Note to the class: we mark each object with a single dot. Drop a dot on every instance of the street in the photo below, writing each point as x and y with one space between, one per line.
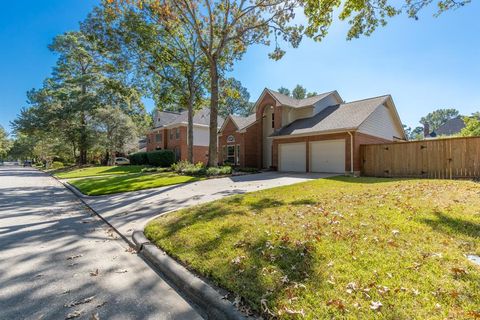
59 261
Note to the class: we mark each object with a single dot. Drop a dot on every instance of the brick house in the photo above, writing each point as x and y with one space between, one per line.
170 132
317 134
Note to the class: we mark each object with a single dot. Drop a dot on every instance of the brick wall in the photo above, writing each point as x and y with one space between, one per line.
247 141
152 143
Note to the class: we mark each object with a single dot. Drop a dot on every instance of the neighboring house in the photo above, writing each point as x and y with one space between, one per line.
171 131
316 134
450 128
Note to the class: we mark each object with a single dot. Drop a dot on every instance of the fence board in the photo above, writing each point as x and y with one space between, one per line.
440 158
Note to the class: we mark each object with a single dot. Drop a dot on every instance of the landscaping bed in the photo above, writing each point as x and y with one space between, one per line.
338 248
129 182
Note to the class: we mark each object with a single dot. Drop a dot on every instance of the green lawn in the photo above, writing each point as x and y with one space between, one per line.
355 248
97 171
129 182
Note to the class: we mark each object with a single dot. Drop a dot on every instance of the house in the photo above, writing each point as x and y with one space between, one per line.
171 131
317 134
450 128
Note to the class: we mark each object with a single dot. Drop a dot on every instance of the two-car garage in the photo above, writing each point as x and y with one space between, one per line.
324 156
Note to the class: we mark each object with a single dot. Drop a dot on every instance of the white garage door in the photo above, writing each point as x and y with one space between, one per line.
292 157
327 156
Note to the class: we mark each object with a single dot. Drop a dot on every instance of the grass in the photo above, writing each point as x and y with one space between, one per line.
97 171
129 182
355 248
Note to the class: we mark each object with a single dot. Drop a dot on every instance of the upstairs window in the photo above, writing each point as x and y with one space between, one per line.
171 134
158 137
177 133
273 120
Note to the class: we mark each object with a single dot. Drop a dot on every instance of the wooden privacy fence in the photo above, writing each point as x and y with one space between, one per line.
440 158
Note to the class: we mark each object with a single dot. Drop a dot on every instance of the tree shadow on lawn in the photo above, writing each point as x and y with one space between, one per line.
367 180
451 225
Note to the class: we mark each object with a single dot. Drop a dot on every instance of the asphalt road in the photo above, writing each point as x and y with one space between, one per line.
57 259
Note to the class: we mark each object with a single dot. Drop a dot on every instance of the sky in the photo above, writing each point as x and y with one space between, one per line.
425 65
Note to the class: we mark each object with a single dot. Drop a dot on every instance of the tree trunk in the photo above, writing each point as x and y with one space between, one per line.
83 133
191 97
212 148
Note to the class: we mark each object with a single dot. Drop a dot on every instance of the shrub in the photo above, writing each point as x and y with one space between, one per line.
187 168
247 169
57 165
161 158
219 171
139 158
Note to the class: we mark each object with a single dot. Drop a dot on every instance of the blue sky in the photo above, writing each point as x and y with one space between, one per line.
427 64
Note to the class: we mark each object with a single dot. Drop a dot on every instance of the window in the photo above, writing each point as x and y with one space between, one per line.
178 154
224 153
237 155
273 120
177 134
158 137
231 154
171 134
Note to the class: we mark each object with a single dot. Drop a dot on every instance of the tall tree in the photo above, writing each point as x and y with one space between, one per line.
224 30
284 91
115 131
234 98
472 126
166 58
438 117
299 92
5 142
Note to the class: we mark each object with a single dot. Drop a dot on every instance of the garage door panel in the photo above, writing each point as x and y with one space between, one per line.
327 156
292 157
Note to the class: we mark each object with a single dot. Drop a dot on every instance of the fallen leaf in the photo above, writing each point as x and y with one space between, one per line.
337 303
94 273
101 304
95 316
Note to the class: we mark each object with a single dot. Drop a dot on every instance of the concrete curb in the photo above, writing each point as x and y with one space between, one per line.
199 292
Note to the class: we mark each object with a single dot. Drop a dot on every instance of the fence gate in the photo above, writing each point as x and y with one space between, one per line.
440 158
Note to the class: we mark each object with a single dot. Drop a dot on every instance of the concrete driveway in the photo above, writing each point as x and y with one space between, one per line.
131 211
57 259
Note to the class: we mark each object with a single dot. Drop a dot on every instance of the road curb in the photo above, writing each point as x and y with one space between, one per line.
197 290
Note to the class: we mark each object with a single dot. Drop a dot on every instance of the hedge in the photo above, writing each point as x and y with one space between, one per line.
161 158
158 158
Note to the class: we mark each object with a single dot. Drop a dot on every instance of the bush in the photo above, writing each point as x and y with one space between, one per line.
161 158
187 168
57 165
247 169
139 158
219 171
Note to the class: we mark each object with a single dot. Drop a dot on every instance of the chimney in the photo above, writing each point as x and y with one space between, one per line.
426 130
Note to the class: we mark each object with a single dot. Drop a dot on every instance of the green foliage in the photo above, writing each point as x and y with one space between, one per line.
472 127
138 158
234 98
247 169
161 158
5 143
284 91
336 246
219 171
299 92
57 165
185 167
155 169
438 117
413 134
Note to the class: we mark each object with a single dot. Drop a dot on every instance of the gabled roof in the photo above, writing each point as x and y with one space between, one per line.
164 118
243 122
288 101
201 117
345 116
452 126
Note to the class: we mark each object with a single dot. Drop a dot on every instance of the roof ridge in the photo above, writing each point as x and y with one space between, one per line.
371 98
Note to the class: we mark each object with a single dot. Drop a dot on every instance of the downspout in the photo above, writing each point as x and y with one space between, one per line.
351 153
